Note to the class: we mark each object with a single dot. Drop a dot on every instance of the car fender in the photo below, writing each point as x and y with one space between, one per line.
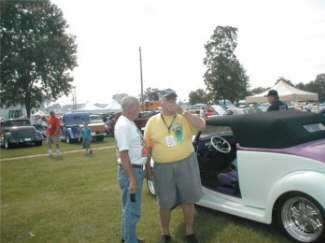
308 182
69 131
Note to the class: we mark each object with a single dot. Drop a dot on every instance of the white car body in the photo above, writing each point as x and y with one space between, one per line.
277 174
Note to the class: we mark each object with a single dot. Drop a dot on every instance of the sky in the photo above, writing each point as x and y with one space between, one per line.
278 38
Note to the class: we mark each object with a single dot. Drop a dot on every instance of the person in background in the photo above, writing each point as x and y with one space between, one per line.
53 134
131 158
275 103
85 135
176 176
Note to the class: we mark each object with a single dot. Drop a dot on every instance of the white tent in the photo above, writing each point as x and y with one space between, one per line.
286 93
114 106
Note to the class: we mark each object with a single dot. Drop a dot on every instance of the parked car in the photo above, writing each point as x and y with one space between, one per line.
267 167
217 110
18 132
73 122
140 121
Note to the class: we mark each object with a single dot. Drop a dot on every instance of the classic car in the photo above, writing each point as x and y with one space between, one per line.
267 167
18 132
74 121
140 121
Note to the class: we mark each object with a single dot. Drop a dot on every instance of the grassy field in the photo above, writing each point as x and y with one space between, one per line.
76 199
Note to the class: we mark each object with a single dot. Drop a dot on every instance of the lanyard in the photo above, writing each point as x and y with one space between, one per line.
170 125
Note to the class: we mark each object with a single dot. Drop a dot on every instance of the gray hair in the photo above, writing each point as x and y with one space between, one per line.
129 101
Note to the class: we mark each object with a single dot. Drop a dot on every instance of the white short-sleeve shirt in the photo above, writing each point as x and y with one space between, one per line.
127 136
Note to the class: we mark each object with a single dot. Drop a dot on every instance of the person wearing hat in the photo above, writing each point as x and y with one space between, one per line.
176 176
131 158
274 100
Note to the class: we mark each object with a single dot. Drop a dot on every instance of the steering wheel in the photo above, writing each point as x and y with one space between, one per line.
220 144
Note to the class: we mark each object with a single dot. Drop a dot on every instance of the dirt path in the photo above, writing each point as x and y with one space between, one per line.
45 155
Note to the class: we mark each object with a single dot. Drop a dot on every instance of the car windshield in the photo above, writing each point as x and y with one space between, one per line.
80 118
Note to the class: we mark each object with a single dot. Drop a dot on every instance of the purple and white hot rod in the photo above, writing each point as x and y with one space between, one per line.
267 167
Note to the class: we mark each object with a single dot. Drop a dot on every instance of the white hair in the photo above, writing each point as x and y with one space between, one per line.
129 101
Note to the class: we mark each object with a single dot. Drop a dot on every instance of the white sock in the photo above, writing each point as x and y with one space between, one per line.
50 151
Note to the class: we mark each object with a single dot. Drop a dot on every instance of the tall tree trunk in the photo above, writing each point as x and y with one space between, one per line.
28 104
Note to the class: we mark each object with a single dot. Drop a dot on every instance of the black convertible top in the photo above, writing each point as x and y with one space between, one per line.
277 129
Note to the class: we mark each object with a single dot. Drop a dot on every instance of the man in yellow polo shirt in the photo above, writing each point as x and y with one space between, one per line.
176 175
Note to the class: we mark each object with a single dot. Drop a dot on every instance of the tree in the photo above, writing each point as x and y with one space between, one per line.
37 54
225 77
284 80
316 86
198 96
151 94
257 90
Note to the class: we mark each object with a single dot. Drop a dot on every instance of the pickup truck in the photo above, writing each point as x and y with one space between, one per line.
72 124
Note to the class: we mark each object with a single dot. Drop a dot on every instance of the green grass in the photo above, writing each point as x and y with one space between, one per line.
30 150
76 199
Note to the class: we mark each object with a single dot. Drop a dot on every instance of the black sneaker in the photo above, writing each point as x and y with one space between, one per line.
165 238
191 239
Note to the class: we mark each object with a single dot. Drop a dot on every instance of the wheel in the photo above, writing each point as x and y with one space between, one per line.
7 145
151 187
150 183
68 139
302 218
39 143
220 144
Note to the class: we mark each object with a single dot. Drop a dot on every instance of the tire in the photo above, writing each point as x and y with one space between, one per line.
150 183
7 145
100 139
39 143
68 139
151 188
302 218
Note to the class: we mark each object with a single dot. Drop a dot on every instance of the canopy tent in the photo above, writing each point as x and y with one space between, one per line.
113 106
286 93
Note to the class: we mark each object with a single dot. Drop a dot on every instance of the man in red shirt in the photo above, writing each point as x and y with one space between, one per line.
53 134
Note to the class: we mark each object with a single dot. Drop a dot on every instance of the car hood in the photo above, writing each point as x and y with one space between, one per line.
314 150
19 128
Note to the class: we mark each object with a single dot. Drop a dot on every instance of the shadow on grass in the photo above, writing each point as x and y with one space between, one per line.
213 226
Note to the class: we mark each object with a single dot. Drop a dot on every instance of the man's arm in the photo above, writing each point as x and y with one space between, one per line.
126 164
194 121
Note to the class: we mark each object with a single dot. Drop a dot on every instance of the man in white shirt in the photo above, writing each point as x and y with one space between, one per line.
131 158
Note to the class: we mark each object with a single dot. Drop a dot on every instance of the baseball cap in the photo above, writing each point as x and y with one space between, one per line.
167 93
273 92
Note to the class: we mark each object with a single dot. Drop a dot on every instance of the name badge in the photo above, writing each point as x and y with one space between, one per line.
170 140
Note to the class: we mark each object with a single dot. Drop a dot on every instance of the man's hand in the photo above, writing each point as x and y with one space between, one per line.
133 185
176 108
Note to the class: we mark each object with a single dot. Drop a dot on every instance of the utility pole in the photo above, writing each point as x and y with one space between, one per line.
74 98
141 78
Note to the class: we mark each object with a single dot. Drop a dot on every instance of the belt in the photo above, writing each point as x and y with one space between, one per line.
134 166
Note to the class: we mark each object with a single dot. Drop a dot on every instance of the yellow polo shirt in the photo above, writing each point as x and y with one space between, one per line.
156 133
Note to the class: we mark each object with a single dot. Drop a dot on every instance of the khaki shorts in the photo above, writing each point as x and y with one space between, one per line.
177 182
53 139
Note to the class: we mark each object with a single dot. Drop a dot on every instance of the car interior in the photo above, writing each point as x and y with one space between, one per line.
218 169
